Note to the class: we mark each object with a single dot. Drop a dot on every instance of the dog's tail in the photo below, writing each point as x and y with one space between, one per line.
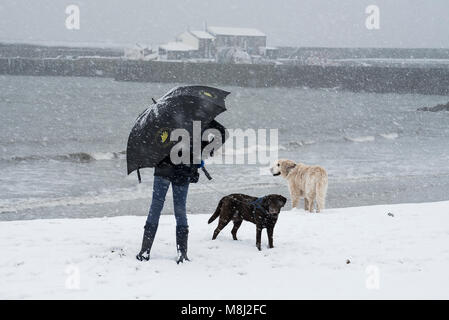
321 191
217 212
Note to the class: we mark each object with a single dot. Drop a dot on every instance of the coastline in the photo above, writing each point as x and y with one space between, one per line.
423 80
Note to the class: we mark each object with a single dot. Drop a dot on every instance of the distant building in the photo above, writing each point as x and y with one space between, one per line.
236 45
247 39
202 41
269 52
176 51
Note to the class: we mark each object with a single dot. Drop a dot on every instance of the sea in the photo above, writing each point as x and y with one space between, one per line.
63 146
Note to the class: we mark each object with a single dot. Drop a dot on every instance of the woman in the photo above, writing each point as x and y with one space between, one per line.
179 176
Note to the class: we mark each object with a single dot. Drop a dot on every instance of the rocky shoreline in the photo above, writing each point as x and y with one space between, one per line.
437 108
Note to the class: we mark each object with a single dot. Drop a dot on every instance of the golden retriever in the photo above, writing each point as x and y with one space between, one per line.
308 182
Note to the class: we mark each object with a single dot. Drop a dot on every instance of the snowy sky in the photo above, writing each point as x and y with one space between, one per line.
336 23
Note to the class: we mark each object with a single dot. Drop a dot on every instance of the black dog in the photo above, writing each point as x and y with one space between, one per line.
263 212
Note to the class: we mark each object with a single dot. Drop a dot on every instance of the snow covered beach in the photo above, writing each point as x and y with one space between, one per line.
358 252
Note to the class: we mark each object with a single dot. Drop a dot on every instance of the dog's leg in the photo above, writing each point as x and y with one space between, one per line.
306 204
221 224
237 225
318 205
258 237
310 204
270 237
321 197
295 201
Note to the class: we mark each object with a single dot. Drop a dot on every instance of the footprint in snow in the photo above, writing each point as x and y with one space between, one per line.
119 251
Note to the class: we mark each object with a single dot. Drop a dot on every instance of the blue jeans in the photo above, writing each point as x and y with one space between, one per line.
160 187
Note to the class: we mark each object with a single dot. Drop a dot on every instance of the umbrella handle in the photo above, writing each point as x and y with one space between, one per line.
138 176
206 173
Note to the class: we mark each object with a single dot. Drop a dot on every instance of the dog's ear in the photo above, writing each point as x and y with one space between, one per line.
288 165
284 200
266 202
280 200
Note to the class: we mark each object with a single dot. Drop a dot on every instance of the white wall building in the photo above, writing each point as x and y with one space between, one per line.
176 51
202 41
248 39
209 43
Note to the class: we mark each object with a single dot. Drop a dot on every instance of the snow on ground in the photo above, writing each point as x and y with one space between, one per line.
401 256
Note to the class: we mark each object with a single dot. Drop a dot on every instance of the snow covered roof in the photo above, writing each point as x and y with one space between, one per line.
176 46
202 34
236 31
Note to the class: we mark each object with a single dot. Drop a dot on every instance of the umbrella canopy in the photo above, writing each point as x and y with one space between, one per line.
149 141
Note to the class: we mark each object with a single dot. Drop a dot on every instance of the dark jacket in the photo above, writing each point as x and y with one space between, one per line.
185 173
177 173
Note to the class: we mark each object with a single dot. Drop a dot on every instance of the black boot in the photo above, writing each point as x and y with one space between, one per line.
147 242
182 234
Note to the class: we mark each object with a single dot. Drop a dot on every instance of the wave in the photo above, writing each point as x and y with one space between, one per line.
248 149
298 144
100 156
138 192
360 139
302 143
389 136
70 157
292 145
15 205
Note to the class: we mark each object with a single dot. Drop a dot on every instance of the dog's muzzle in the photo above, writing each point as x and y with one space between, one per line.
276 174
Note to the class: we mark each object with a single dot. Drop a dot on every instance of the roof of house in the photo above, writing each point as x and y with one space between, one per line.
202 34
176 46
236 31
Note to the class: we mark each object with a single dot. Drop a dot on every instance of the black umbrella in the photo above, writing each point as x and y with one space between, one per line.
149 141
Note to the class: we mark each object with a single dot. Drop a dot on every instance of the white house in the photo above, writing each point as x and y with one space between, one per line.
202 41
209 43
247 39
176 51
